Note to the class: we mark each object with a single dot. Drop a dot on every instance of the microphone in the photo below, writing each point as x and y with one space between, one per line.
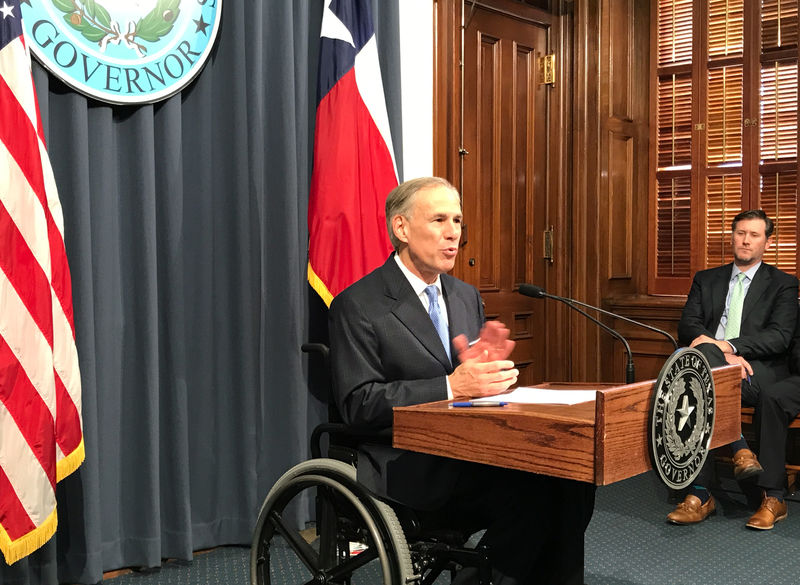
531 290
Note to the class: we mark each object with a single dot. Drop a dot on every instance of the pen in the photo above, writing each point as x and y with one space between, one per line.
465 404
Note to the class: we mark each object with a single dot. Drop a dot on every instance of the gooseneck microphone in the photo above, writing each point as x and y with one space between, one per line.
532 290
537 292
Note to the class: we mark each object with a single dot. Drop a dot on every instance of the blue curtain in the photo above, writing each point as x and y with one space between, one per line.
186 231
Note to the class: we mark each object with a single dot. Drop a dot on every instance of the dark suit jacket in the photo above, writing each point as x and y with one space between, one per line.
769 314
385 352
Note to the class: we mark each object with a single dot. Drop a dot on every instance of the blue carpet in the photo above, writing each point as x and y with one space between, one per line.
628 543
228 565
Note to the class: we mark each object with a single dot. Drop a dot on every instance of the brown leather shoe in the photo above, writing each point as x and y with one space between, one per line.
769 512
745 464
691 510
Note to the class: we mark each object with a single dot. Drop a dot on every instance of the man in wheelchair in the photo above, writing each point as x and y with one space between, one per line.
409 333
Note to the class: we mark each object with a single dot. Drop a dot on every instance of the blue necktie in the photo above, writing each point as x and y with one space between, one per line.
436 317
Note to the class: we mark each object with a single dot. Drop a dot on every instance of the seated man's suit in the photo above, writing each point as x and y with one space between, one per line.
769 315
386 352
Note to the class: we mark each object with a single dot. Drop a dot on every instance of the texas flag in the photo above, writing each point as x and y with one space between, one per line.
354 166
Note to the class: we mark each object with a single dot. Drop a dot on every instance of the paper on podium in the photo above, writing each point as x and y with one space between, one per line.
533 395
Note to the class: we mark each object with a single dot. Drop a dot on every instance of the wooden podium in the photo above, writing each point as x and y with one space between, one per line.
598 442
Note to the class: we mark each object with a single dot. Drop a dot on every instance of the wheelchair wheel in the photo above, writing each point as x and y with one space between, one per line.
358 538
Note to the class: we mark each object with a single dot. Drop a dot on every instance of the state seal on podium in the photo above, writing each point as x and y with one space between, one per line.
682 417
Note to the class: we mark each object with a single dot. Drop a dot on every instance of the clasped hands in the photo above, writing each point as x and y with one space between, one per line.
484 369
727 351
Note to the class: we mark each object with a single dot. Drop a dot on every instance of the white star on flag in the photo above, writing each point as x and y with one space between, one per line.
7 10
333 28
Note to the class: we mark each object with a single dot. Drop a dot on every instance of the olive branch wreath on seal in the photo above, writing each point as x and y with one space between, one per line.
93 21
674 442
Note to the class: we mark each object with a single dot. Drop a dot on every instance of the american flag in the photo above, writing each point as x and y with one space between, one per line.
41 439
354 166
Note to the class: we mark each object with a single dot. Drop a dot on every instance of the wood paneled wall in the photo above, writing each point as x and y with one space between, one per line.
610 188
598 181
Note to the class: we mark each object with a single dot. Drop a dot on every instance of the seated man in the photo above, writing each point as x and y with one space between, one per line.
742 313
778 404
399 336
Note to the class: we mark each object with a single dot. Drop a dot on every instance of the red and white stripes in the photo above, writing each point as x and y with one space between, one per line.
40 391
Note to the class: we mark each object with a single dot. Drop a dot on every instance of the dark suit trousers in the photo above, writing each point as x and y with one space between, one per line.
775 405
534 524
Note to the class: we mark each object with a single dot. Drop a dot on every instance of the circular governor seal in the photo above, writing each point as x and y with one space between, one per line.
122 51
682 417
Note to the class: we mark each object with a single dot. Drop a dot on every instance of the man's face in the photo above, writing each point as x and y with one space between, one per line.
431 232
749 242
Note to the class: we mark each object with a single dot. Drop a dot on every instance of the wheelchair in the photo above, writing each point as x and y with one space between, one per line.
357 538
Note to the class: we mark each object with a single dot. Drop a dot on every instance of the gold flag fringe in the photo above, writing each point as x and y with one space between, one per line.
14 550
70 462
319 286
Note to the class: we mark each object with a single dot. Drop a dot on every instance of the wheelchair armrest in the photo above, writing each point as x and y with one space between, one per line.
341 432
319 348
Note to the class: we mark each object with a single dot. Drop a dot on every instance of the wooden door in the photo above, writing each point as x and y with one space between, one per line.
504 172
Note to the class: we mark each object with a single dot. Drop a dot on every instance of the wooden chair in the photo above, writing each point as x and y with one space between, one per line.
792 452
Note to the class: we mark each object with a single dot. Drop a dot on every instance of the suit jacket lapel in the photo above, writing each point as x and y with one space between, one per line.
409 311
457 312
760 284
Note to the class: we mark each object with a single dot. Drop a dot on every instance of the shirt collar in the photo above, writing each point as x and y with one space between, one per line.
749 273
415 281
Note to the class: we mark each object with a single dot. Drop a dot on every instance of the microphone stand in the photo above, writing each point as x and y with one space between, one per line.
626 319
530 290
629 368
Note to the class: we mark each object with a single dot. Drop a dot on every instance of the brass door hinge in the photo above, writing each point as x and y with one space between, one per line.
548 245
547 69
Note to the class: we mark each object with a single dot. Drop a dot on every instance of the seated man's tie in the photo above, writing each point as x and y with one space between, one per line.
735 310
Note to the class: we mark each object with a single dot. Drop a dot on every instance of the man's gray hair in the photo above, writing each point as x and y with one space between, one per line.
401 199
